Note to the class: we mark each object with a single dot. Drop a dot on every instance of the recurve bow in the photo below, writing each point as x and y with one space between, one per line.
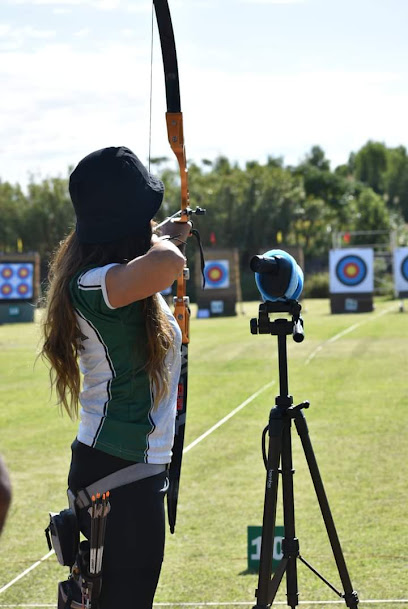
174 120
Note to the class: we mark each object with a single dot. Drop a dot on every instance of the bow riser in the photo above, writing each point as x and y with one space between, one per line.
182 312
175 134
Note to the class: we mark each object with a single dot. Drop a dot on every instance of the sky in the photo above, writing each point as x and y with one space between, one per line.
258 78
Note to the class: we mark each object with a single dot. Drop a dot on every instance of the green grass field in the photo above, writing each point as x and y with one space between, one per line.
358 390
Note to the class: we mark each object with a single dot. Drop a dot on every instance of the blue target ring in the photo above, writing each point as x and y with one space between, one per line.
351 270
404 268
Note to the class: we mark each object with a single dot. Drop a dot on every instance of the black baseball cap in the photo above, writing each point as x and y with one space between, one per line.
113 195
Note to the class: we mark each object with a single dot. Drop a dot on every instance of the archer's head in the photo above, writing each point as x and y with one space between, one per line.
114 196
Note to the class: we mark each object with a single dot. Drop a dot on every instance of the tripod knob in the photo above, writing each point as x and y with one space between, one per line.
298 333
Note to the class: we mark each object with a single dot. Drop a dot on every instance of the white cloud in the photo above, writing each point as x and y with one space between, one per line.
286 114
83 33
128 33
5 28
14 38
49 2
65 6
273 1
103 5
106 5
138 7
59 102
62 103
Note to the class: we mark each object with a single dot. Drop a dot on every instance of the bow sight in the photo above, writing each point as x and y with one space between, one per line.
199 211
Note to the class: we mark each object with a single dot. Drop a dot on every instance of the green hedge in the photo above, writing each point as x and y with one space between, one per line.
317 285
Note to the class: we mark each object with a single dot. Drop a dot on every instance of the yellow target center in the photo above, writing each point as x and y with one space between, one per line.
352 270
215 274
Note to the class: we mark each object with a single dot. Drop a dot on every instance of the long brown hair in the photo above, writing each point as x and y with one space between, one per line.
60 329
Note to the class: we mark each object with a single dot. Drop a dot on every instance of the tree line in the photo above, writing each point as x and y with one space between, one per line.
259 206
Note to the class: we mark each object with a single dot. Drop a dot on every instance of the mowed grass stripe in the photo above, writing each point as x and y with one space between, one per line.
226 418
344 332
24 573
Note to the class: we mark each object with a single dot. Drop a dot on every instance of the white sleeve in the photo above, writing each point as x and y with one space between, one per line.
95 279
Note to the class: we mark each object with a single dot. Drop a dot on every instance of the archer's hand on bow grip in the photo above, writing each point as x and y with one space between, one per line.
178 231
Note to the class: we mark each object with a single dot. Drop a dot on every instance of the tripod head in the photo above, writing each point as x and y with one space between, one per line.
279 327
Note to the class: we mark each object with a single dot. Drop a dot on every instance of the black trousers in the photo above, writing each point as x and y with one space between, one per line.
135 529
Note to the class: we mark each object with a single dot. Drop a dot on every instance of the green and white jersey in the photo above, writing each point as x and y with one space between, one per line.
117 414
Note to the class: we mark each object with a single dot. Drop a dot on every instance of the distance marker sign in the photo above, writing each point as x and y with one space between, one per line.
351 270
16 280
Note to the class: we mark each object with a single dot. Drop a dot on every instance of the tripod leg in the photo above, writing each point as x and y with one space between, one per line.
350 595
290 543
269 514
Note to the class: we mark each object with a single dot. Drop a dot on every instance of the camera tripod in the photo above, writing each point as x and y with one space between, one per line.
280 453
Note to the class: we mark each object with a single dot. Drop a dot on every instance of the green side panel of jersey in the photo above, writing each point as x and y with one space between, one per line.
126 425
119 440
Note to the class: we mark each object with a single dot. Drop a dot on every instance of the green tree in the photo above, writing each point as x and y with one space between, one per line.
12 206
313 226
48 217
319 181
317 158
396 181
370 212
370 165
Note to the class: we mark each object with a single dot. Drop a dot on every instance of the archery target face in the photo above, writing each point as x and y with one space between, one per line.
401 269
217 274
16 280
351 270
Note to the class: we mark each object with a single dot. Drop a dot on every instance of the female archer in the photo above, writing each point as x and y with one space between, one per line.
106 319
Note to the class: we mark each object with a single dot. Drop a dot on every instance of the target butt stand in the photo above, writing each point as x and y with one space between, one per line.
278 461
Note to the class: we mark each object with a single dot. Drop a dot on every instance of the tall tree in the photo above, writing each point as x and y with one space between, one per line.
12 206
396 181
370 164
49 216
